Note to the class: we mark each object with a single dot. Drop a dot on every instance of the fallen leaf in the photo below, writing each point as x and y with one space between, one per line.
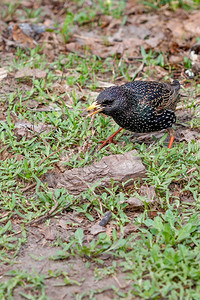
58 88
102 50
105 20
76 48
195 58
193 24
176 28
25 128
30 103
175 59
189 135
63 224
153 42
133 31
149 194
134 203
96 229
3 73
32 30
21 38
109 229
50 233
28 72
130 228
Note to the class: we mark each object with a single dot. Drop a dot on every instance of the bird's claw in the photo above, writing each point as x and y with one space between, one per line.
108 141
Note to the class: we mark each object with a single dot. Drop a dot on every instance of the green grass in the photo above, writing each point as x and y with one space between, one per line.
160 260
89 14
172 4
164 262
32 282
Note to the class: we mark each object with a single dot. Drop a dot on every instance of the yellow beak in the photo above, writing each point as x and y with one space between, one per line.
95 106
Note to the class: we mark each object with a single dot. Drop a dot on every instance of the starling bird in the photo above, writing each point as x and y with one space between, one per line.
140 106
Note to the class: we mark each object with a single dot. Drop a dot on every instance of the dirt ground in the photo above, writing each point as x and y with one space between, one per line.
172 32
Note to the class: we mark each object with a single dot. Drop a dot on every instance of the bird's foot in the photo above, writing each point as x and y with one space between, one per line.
110 139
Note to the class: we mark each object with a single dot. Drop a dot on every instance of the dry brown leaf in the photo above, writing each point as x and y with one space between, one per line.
3 73
193 24
96 229
155 72
175 59
63 224
153 42
25 128
109 229
176 28
28 72
132 47
21 38
58 88
101 50
30 103
148 193
2 26
189 135
130 228
105 20
76 48
50 233
134 203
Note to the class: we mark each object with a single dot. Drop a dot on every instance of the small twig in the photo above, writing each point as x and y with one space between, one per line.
39 136
91 126
34 184
191 170
85 143
87 38
120 285
82 148
49 42
51 155
80 88
12 234
49 214
139 69
187 106
28 187
100 204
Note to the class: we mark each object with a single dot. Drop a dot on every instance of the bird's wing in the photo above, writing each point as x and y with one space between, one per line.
168 95
155 94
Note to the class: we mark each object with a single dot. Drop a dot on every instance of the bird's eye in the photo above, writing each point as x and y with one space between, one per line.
107 102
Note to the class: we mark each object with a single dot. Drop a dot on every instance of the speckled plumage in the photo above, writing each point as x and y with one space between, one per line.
141 106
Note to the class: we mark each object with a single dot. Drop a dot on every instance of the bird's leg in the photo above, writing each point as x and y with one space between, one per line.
172 137
110 139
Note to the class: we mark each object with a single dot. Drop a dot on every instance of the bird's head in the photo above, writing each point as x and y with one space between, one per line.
110 101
